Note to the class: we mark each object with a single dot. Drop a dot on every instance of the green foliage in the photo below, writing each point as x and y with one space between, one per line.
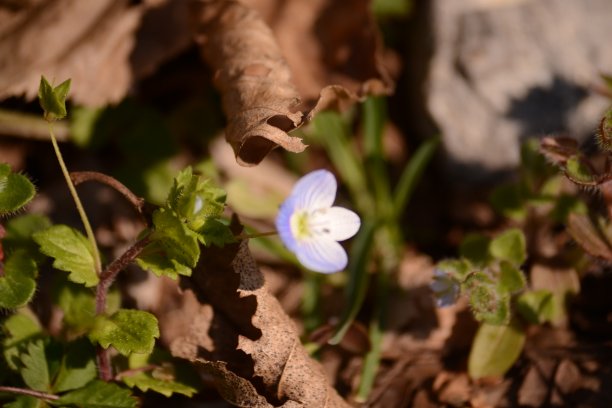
71 252
509 246
78 305
536 306
166 378
16 190
495 349
577 170
392 8
25 401
179 242
511 278
19 231
18 284
489 303
475 248
19 330
98 394
34 370
53 99
129 331
77 368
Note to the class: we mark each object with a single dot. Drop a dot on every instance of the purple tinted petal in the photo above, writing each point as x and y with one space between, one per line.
315 190
322 255
283 223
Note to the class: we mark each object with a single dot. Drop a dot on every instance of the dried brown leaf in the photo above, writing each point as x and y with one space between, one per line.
260 100
249 331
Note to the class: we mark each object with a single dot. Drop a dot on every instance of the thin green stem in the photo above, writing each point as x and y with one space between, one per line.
77 202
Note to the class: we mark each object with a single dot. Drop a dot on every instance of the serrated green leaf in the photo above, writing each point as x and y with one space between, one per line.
16 190
25 401
153 258
35 371
511 278
147 382
179 242
18 284
536 306
98 394
215 232
196 201
19 329
79 305
71 252
53 100
19 232
475 248
495 349
78 366
129 331
509 246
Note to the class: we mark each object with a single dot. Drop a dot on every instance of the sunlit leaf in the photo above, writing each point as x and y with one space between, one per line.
179 242
98 394
509 246
129 331
495 349
153 258
511 278
71 252
35 371
19 329
536 306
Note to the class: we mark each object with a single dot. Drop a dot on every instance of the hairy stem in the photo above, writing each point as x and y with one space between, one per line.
77 202
106 280
79 177
31 393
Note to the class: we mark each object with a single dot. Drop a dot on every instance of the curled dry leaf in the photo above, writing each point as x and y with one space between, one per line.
260 100
248 332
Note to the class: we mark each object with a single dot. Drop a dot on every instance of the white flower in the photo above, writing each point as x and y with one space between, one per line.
445 288
310 227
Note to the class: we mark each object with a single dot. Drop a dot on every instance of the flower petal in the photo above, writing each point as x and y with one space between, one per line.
315 190
322 255
335 223
283 223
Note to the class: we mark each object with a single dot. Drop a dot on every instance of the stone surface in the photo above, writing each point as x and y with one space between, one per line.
502 71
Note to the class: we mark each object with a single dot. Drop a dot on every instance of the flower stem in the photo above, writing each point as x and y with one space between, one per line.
106 280
77 202
31 393
79 177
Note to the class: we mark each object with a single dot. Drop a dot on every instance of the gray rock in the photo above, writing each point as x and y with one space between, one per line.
505 70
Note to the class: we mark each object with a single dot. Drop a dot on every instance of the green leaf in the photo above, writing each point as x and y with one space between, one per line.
179 242
71 251
536 306
16 190
18 284
53 99
488 303
35 371
19 329
578 171
98 394
509 201
604 136
509 246
511 279
495 349
19 231
475 247
83 125
129 331
153 258
79 305
215 232
392 8
456 268
78 366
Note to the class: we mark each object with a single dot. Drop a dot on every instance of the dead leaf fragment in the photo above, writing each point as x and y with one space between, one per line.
250 334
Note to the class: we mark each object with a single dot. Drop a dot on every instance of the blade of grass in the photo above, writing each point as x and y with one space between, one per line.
372 359
412 174
358 278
